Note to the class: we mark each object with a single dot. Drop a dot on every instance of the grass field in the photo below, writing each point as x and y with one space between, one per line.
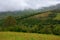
26 36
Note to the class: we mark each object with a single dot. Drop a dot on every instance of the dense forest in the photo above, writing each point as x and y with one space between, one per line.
47 22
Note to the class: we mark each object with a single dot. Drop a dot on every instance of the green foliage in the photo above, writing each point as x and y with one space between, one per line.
57 30
9 21
46 30
44 22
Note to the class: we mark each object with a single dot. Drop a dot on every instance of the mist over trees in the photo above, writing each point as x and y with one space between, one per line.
44 21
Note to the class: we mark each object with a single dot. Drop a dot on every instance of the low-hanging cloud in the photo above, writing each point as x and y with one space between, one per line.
11 5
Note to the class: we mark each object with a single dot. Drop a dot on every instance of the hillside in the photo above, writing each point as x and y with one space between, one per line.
28 12
57 16
26 36
41 22
46 22
17 13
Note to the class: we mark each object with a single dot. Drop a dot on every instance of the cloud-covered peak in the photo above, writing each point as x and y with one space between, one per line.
10 5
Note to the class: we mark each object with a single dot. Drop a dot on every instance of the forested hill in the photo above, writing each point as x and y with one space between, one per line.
18 13
32 21
43 22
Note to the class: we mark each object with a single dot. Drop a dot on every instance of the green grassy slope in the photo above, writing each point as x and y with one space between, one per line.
58 16
26 36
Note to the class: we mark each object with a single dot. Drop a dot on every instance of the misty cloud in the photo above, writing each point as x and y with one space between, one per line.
10 5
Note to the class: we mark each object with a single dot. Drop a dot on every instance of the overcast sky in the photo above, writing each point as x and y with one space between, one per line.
10 5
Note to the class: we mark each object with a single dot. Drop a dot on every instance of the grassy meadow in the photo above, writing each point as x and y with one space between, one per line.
27 36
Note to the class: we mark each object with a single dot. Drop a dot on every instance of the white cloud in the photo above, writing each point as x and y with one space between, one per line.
10 5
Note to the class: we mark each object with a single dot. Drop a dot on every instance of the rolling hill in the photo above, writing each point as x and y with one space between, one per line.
32 21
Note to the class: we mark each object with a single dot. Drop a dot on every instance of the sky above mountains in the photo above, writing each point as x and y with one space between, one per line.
11 5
